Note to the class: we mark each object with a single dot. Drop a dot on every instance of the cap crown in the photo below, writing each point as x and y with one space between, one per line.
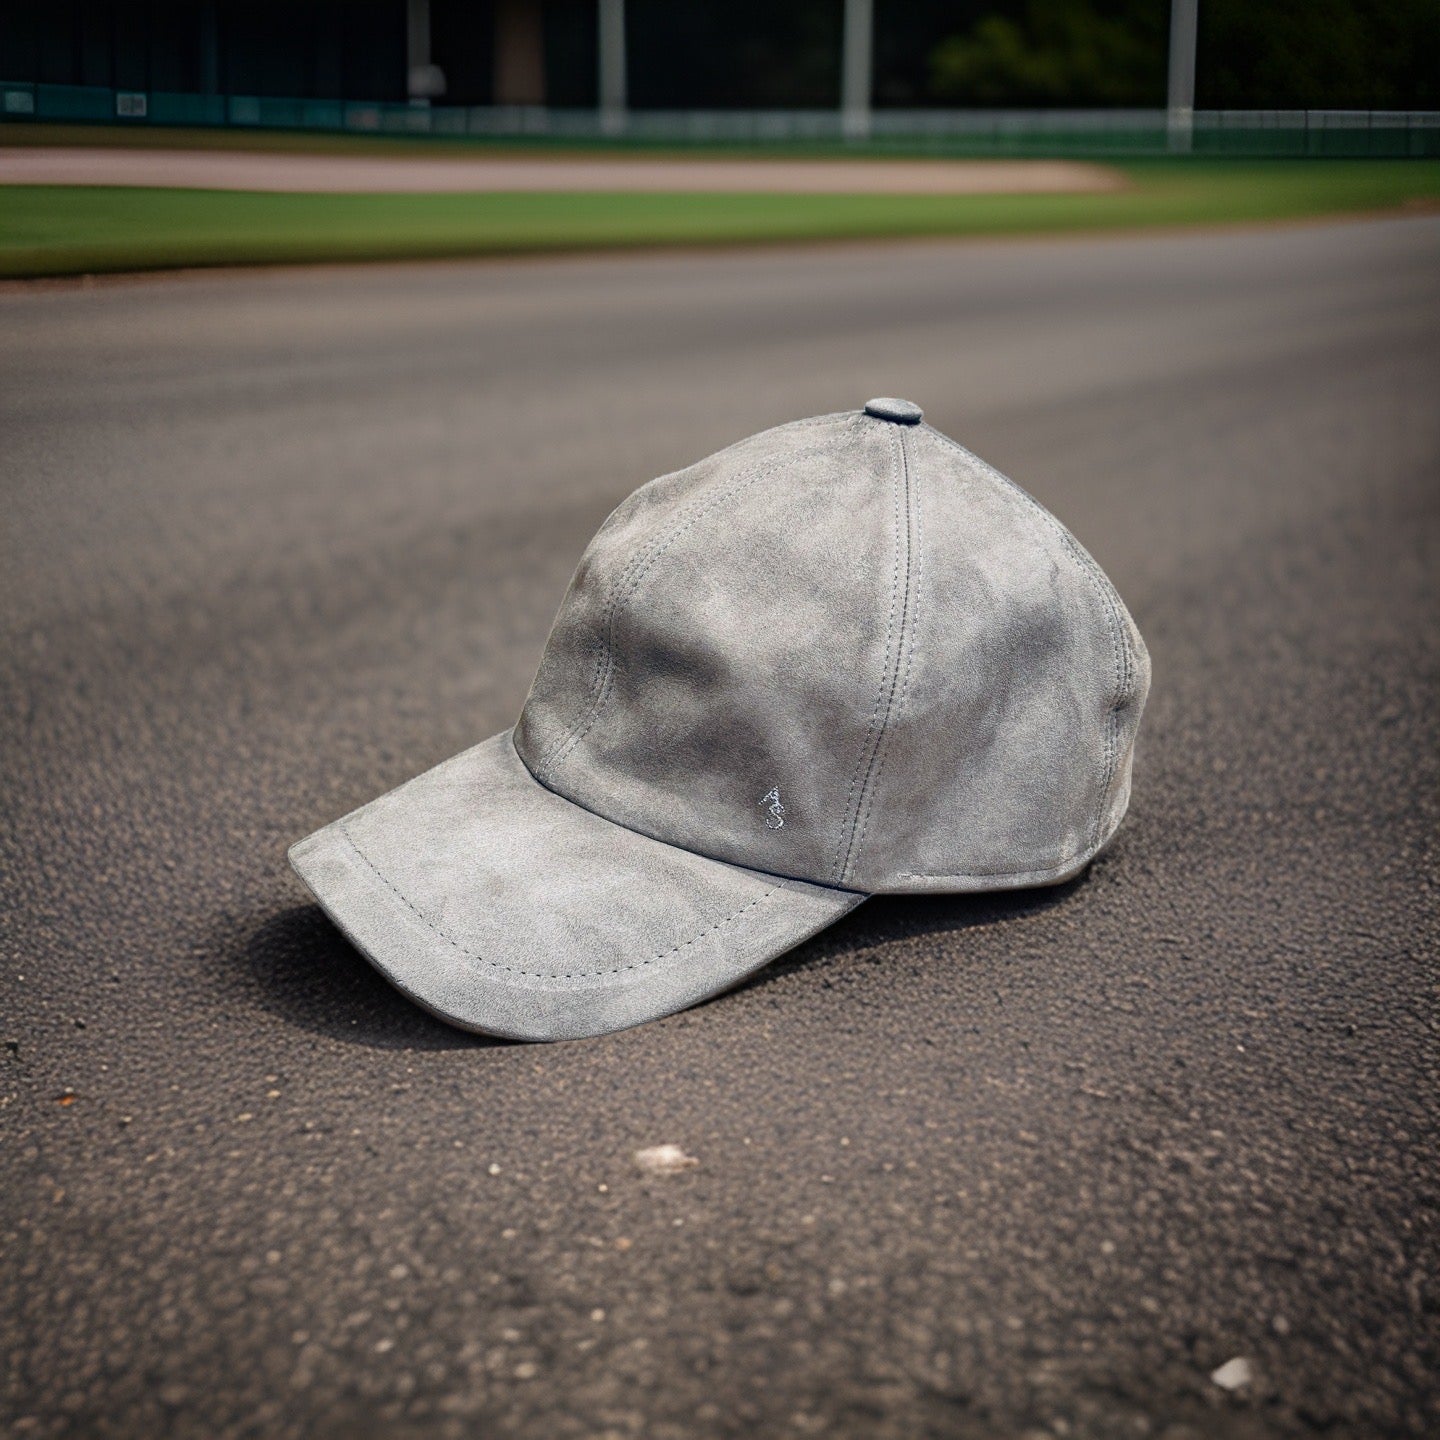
849 651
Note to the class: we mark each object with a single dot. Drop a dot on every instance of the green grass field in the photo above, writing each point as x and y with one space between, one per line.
61 230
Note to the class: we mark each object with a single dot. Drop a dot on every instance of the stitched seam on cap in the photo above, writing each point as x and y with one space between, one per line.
914 559
887 678
625 586
540 974
1109 601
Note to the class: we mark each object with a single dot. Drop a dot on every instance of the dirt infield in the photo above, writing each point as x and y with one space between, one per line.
368 174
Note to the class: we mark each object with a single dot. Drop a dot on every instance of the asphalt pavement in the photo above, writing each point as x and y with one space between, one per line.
1027 1165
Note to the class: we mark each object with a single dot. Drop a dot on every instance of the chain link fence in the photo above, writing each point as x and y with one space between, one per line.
1388 134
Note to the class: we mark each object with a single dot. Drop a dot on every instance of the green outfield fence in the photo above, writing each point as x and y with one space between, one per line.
1387 134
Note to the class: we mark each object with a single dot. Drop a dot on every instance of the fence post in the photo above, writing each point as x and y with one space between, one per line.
1180 102
613 98
855 69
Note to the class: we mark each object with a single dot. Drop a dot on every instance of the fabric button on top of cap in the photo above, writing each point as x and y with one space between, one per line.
902 412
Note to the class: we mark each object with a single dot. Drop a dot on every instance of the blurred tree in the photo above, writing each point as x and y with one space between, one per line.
1254 54
1313 54
1057 52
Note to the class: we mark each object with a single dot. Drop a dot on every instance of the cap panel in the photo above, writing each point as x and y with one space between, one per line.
999 763
570 679
744 656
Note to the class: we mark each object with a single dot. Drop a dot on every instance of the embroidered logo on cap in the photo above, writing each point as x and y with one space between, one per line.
774 810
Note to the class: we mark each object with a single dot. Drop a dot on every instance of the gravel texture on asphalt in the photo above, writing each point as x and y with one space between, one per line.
1028 1165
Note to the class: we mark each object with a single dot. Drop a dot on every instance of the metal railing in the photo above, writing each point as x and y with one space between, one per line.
1118 133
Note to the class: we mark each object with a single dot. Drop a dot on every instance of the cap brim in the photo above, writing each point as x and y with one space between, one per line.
502 907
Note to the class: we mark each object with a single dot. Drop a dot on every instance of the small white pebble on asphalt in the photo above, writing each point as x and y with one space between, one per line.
664 1160
243 1118
382 1346
1234 1374
526 1370
597 1314
494 1169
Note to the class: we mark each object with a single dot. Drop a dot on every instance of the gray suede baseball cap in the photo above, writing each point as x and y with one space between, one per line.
844 657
